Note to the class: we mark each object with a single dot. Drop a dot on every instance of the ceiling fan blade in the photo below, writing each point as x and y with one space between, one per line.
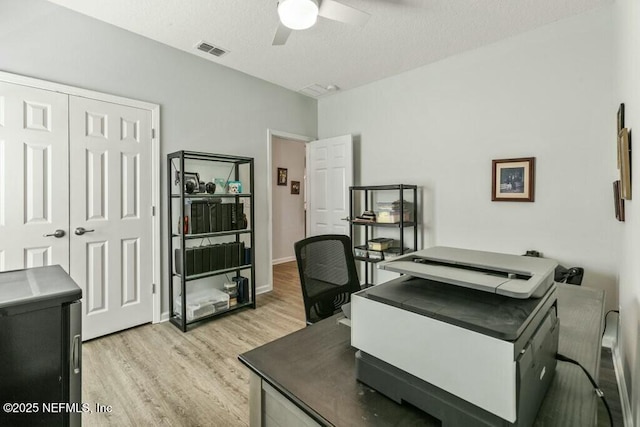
281 36
331 9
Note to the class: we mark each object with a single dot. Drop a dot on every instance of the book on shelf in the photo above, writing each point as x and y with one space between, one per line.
367 216
379 243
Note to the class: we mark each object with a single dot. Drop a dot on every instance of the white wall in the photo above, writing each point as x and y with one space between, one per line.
204 106
288 209
627 69
547 94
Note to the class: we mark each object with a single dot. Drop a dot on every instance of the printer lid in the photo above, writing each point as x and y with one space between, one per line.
510 275
490 314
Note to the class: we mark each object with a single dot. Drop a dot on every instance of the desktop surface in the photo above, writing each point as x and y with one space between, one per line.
314 368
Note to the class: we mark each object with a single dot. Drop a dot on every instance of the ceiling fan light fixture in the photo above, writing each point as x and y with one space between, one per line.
298 14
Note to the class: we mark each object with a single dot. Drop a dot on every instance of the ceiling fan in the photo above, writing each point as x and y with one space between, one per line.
303 14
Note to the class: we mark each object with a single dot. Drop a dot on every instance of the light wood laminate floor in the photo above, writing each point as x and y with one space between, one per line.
156 375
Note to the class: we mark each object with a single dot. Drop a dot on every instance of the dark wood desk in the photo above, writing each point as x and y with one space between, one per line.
308 377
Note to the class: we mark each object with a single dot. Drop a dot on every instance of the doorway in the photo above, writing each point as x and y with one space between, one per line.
286 197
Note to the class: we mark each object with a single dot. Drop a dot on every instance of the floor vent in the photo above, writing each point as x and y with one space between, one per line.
209 48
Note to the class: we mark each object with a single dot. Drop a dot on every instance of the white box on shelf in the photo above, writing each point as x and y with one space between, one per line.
202 303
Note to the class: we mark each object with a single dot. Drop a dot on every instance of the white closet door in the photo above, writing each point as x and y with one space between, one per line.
34 178
329 176
110 191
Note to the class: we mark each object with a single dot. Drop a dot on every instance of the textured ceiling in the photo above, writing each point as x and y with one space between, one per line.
399 36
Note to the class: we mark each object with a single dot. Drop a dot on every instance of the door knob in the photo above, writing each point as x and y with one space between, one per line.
346 218
57 234
81 230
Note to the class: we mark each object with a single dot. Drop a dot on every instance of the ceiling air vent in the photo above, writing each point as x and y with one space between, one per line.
213 50
315 90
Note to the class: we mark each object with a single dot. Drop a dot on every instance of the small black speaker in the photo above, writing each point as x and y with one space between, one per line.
210 187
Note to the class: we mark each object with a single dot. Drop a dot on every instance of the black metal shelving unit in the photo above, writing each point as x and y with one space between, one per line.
177 239
367 192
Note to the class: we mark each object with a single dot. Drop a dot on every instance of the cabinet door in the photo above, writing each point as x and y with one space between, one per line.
34 177
329 176
32 365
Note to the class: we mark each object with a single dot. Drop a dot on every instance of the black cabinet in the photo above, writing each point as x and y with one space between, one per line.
211 235
379 216
40 348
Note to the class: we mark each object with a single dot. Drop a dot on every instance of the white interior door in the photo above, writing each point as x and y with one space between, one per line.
110 192
329 176
33 167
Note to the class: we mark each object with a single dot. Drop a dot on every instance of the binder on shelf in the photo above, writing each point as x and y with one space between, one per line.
206 259
239 221
228 255
197 261
215 219
199 224
226 216
206 227
235 254
189 255
217 257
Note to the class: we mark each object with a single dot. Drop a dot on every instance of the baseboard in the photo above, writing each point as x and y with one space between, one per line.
264 288
164 317
622 387
283 260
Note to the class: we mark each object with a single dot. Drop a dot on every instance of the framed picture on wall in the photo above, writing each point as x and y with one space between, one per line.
512 180
624 156
620 117
618 202
295 187
282 176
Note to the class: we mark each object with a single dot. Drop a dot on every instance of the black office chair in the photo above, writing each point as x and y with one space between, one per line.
327 274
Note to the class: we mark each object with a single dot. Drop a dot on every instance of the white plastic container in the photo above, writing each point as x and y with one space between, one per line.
202 303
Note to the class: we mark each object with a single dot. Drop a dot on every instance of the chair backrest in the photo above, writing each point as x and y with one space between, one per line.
328 274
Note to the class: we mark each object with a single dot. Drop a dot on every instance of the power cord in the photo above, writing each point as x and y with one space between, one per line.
593 382
605 319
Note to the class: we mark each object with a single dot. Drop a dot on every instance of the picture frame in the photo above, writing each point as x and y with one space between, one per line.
295 187
191 177
619 127
624 156
513 180
282 176
618 201
234 187
620 117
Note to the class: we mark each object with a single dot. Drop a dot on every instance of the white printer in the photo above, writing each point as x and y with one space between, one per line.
469 337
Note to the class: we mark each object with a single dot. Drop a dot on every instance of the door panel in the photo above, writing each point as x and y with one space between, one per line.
34 167
330 166
111 185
